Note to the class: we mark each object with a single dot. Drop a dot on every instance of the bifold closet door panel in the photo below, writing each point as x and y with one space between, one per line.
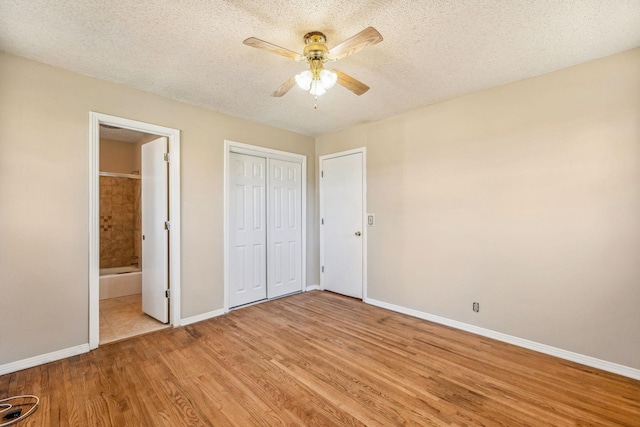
247 229
284 252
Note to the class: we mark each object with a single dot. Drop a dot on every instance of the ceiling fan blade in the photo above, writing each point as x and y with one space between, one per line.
367 37
285 87
261 44
355 86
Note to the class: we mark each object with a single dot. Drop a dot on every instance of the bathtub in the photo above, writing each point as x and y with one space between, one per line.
120 281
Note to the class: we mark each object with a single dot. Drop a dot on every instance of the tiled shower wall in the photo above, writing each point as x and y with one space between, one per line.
120 222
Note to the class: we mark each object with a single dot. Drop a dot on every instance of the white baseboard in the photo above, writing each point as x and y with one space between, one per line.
84 348
312 288
531 345
520 342
43 358
201 317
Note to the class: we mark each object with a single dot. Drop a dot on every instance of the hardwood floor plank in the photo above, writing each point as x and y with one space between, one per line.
320 359
338 380
268 383
435 402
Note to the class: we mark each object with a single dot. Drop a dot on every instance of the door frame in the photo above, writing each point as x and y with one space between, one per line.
173 135
268 153
321 159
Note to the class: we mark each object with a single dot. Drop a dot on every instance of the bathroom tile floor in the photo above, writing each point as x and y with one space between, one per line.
122 318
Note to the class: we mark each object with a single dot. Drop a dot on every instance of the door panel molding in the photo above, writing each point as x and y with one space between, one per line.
285 234
271 154
95 120
247 229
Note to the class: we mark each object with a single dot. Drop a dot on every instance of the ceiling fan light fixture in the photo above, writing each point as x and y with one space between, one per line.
317 88
304 80
328 78
317 80
316 84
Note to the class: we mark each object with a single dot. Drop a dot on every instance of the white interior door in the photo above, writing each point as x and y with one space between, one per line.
284 252
155 238
341 200
247 229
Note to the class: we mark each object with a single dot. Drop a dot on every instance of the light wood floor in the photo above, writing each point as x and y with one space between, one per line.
122 318
321 359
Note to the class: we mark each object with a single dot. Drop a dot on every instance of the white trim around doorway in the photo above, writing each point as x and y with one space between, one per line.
173 135
269 153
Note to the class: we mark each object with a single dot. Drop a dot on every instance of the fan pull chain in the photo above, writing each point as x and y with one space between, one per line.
315 104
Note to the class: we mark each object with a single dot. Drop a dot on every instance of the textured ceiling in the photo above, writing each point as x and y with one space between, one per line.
433 50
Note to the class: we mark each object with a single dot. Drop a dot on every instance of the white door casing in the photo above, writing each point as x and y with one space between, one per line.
247 229
342 232
155 240
173 135
284 255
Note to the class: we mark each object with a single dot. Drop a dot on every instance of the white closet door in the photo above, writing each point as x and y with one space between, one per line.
247 229
285 229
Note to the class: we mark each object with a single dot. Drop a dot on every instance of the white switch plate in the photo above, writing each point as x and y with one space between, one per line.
371 220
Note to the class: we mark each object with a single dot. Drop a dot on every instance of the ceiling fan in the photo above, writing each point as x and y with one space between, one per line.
317 79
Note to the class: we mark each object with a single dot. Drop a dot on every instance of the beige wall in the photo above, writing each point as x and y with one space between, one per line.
118 156
44 186
525 198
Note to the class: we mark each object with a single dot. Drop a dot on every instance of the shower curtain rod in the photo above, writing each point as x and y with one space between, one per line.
119 175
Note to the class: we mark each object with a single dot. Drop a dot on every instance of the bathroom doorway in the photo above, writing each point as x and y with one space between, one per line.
133 289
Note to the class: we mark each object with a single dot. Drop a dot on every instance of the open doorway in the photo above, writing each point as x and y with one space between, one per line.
123 312
134 229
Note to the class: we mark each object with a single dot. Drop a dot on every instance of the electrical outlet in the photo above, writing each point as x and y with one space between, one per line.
476 307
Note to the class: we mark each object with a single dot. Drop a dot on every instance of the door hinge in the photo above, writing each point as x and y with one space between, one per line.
322 221
167 293
167 225
323 268
321 174
166 157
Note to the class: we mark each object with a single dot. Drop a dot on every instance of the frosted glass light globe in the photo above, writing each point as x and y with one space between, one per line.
328 78
304 79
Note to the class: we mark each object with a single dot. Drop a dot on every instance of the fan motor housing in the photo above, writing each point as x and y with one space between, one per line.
315 48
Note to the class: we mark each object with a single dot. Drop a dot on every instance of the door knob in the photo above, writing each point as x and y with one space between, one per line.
358 233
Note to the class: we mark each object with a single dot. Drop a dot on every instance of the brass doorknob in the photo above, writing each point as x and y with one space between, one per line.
358 233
